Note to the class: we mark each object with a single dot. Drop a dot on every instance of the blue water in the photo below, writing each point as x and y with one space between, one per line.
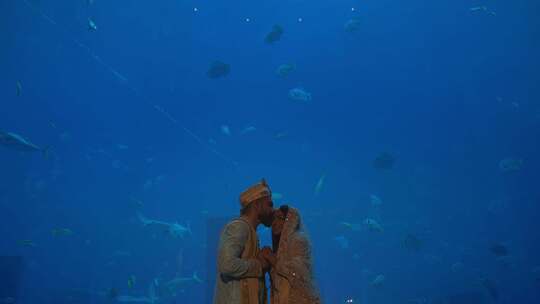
134 124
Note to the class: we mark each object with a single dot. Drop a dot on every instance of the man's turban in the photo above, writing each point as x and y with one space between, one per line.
254 193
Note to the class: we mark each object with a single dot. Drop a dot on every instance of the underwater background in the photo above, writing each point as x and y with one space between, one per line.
422 117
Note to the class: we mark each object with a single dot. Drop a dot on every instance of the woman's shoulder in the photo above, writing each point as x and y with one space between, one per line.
299 239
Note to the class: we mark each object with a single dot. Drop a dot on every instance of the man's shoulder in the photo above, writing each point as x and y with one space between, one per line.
236 224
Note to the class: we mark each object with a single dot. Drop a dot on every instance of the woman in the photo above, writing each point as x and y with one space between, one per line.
292 265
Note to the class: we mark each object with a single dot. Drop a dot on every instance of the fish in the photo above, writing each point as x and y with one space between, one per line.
131 281
26 243
281 135
478 8
342 241
218 69
92 25
248 130
225 130
112 293
151 297
352 25
384 161
175 285
285 69
378 280
274 35
299 94
62 231
320 184
373 225
175 230
16 142
457 267
7 300
499 250
491 287
411 242
351 226
510 164
277 196
375 200
19 88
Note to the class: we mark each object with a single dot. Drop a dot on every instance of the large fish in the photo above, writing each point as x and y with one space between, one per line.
175 230
176 285
16 142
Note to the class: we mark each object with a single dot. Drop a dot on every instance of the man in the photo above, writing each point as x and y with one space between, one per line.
241 267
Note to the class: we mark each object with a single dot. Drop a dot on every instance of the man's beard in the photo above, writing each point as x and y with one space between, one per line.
267 220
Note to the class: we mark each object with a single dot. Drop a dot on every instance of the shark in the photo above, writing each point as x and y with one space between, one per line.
16 142
175 230
177 284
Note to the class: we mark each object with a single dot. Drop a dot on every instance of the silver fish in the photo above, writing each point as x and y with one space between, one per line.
16 142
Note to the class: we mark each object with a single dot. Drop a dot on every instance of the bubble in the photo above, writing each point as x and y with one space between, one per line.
195 9
300 19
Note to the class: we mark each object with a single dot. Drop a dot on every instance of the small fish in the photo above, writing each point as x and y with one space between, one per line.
92 25
137 203
375 200
8 300
131 281
61 232
478 8
226 130
112 293
320 184
378 281
352 25
491 287
19 88
457 267
248 130
351 226
411 242
384 161
280 135
285 69
510 164
274 35
19 143
218 69
27 243
342 241
499 250
373 225
299 94
277 196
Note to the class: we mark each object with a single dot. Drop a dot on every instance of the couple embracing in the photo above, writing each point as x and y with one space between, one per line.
242 264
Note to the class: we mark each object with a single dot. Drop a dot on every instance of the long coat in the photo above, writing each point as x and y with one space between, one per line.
292 277
240 278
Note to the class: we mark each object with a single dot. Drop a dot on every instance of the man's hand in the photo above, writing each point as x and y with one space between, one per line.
264 262
268 255
266 251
